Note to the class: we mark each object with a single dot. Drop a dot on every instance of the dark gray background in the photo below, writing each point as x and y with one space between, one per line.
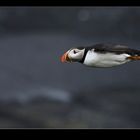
37 90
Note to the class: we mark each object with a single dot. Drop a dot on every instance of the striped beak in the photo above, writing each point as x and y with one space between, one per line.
65 58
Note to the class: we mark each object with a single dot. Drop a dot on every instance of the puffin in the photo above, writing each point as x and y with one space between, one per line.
101 55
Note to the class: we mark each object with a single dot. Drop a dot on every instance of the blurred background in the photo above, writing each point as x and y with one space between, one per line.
38 91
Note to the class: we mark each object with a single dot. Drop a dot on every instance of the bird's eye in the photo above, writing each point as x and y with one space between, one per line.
74 52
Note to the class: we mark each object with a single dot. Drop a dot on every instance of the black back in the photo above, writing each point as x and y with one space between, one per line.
113 48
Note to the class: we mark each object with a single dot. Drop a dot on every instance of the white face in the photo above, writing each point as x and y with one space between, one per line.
75 54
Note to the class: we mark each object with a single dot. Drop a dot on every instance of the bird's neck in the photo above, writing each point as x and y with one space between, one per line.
84 56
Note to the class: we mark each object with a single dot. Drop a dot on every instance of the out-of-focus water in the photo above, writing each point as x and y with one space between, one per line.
40 91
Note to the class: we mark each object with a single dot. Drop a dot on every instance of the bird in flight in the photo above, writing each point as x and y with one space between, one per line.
101 55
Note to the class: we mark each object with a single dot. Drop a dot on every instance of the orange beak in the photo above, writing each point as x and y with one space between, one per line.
65 58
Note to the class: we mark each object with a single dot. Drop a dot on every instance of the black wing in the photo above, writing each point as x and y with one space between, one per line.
113 48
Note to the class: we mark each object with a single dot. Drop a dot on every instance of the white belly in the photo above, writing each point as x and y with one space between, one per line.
94 59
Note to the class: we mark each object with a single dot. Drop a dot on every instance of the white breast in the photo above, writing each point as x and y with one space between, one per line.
95 59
